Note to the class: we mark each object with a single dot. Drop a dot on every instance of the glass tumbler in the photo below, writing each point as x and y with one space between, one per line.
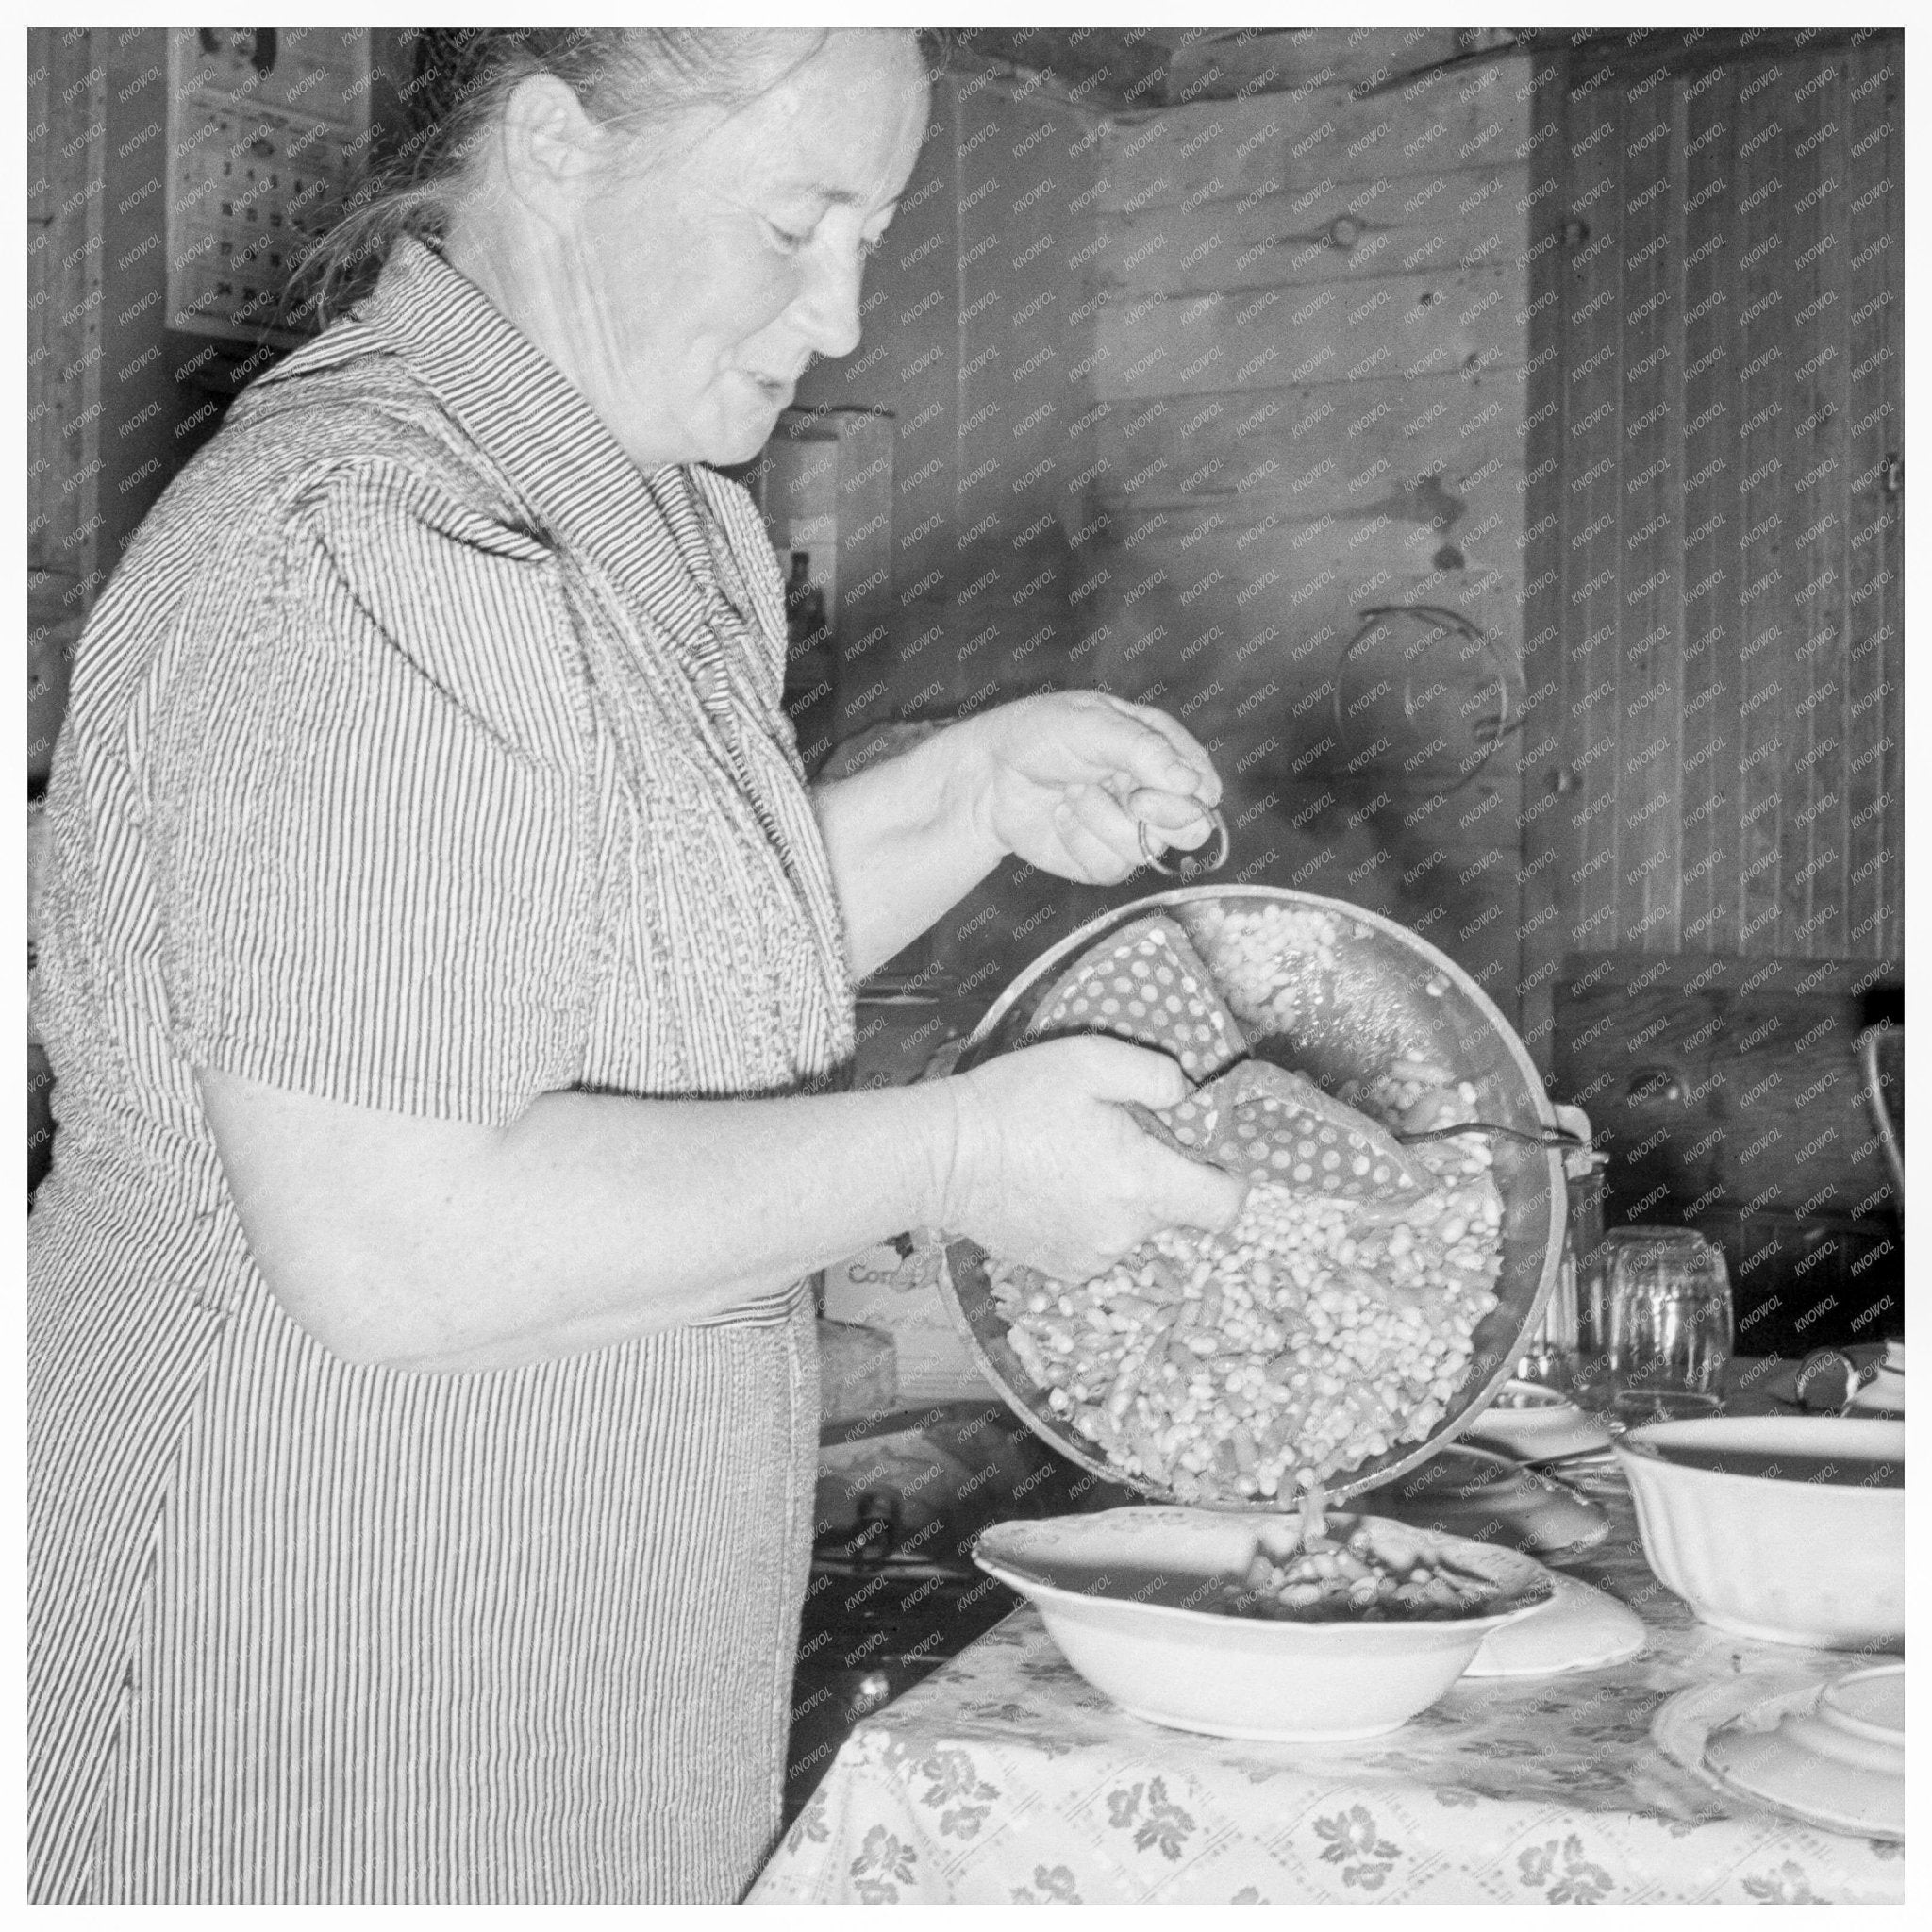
1653 1325
1549 1356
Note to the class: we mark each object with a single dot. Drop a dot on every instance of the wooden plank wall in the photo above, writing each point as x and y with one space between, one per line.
1723 554
1232 433
1311 347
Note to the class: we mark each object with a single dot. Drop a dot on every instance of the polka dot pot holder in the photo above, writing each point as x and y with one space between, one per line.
1264 1123
1148 986
1259 1120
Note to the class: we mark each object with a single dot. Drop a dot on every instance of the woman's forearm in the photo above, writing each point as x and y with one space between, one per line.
440 1245
908 841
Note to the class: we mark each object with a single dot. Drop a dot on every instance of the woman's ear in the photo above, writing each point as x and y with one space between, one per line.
548 147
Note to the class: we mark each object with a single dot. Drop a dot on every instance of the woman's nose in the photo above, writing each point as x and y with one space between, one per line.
827 308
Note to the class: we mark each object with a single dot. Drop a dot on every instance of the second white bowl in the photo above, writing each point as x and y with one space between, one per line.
1797 1558
1114 1591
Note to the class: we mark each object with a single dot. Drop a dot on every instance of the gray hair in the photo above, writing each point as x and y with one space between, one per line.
633 77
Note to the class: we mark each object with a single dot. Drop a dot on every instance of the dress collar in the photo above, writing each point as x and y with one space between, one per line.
651 529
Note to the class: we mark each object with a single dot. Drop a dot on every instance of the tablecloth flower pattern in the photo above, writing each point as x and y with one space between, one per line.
1005 1779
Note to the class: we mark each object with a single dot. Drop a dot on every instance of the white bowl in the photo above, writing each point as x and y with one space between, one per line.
1788 1560
1114 1590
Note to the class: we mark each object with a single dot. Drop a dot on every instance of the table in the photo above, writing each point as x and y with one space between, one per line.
1005 1779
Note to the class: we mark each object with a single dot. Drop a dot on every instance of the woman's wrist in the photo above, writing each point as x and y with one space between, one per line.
939 1180
969 783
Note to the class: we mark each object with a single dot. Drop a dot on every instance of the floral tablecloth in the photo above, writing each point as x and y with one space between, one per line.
1005 1779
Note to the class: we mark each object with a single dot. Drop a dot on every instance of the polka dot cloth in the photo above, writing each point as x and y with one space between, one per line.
1148 986
1265 1124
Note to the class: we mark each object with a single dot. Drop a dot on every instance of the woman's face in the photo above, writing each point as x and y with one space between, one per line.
697 287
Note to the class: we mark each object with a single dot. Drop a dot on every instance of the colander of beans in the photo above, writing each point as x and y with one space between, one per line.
1332 1340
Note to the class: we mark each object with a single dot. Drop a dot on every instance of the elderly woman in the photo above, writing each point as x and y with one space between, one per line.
449 974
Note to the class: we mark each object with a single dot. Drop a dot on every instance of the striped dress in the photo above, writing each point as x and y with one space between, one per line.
423 756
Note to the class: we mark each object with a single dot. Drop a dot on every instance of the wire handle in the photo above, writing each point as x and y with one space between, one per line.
1547 1137
1191 866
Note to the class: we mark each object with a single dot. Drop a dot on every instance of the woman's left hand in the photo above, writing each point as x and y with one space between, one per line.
1066 781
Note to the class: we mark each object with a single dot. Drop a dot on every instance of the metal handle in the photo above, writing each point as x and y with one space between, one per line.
1545 1137
1511 717
1868 1043
1189 867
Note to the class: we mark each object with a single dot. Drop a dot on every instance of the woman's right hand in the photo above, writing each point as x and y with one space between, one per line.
1050 1168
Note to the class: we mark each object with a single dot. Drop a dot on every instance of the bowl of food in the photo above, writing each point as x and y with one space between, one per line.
1333 1338
1213 1620
1789 1529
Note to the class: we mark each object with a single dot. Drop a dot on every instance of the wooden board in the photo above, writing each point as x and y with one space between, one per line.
1398 326
1330 231
1709 782
1650 661
1589 496
1873 309
1272 143
1308 452
1760 440
1729 400
1282 58
1542 746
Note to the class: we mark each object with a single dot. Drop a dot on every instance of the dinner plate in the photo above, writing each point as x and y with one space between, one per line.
1757 1739
1580 1628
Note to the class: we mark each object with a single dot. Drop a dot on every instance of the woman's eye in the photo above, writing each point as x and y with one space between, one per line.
787 242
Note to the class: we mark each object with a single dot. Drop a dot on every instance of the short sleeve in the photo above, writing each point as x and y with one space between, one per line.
372 817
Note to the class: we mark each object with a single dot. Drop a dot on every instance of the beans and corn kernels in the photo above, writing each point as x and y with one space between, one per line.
1318 1331
1321 1571
1314 1334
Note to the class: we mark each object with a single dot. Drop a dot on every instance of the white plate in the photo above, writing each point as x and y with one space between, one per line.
1580 1628
1547 1426
1793 1781
1480 1494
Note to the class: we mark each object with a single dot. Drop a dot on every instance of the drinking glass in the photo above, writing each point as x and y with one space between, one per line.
1549 1356
1654 1328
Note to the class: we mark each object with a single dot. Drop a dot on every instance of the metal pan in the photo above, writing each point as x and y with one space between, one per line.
1389 991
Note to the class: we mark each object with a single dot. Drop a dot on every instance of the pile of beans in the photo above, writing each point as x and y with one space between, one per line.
1309 1577
1270 963
1318 1331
